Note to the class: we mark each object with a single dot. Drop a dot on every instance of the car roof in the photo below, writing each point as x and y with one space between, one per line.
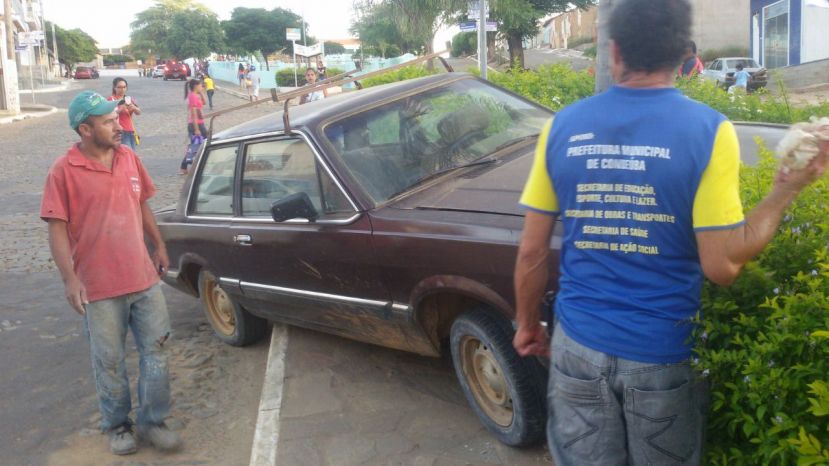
336 105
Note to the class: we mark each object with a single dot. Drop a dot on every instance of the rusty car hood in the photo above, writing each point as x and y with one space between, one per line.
493 189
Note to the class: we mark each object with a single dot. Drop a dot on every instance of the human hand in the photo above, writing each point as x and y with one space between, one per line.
796 180
532 341
75 293
161 261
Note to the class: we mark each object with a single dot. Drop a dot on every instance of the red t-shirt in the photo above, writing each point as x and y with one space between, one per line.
194 101
102 208
124 115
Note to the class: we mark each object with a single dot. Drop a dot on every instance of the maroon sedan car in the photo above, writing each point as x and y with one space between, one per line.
389 215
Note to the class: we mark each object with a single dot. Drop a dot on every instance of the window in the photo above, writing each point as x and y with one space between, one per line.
276 169
214 191
776 35
390 148
715 66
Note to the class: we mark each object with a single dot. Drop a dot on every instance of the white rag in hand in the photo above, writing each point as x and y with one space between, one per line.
801 143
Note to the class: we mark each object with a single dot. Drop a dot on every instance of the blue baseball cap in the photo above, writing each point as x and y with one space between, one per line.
86 104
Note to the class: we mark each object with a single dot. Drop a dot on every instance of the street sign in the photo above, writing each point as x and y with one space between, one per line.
21 48
308 50
30 38
474 10
491 26
293 33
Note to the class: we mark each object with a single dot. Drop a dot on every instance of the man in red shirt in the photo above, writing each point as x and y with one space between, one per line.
95 202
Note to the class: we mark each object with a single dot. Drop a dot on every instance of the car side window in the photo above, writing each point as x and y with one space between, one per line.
276 169
214 189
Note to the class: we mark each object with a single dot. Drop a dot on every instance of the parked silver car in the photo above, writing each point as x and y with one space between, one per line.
158 71
722 72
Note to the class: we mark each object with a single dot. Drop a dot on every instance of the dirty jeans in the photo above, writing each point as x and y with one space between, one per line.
107 320
606 410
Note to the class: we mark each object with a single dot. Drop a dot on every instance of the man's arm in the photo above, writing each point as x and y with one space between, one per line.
160 259
531 275
62 254
723 253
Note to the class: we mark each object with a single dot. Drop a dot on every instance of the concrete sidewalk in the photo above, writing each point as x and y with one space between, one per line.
28 111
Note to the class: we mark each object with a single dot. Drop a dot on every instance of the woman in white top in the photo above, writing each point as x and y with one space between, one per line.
311 78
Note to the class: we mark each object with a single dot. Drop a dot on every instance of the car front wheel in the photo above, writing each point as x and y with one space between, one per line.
231 323
506 391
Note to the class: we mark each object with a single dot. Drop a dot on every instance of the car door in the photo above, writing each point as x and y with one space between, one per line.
203 238
320 273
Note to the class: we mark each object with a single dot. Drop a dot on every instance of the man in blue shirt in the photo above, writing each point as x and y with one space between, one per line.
645 181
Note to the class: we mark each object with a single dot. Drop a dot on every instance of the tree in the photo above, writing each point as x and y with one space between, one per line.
378 30
603 77
74 45
251 30
420 19
518 20
154 27
333 48
194 34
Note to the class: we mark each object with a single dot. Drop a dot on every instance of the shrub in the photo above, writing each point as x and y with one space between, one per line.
576 41
761 105
731 51
464 43
553 86
763 342
285 77
590 52
402 74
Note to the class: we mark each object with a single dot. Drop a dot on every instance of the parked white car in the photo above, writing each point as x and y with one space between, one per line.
722 72
158 71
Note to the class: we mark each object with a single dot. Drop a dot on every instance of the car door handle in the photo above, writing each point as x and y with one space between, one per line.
244 240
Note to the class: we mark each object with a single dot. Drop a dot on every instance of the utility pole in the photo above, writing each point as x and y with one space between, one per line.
482 37
603 76
7 14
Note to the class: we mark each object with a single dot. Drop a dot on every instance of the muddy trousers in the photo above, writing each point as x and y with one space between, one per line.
610 411
107 321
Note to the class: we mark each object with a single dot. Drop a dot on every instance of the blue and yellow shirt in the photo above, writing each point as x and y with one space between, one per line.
633 173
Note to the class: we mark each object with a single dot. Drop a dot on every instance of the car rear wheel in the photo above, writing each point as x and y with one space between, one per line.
231 323
506 391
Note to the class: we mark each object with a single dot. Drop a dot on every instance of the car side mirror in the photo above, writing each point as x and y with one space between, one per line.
296 205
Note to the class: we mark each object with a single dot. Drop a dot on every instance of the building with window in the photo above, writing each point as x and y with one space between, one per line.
789 32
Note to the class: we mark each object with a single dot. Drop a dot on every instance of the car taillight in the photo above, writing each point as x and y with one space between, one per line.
166 69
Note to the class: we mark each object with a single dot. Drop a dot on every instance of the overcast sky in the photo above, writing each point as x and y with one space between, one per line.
108 21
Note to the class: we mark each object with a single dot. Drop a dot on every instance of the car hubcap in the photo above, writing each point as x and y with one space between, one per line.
219 308
486 380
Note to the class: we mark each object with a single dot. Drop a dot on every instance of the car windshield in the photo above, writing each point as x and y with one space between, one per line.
394 147
746 62
81 68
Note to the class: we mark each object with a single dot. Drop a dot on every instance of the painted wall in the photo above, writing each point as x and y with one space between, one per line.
814 33
718 23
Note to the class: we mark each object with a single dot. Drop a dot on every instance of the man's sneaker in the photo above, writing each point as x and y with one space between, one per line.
122 440
160 436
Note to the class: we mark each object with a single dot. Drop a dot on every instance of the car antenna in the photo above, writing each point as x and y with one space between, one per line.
338 80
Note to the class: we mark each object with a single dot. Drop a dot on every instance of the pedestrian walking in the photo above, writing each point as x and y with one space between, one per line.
252 82
193 93
646 184
241 74
95 203
311 79
127 107
210 87
691 64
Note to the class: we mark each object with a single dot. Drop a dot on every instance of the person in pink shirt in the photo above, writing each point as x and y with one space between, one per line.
95 202
193 93
127 107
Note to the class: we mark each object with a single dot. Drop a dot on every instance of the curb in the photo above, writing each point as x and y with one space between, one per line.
234 93
266 437
39 111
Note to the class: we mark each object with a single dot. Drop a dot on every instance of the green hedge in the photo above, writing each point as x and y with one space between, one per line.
408 72
285 77
763 342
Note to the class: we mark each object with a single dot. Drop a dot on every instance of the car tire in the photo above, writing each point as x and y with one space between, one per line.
230 322
165 78
507 392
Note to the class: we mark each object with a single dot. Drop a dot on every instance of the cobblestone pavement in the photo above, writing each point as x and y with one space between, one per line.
48 410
